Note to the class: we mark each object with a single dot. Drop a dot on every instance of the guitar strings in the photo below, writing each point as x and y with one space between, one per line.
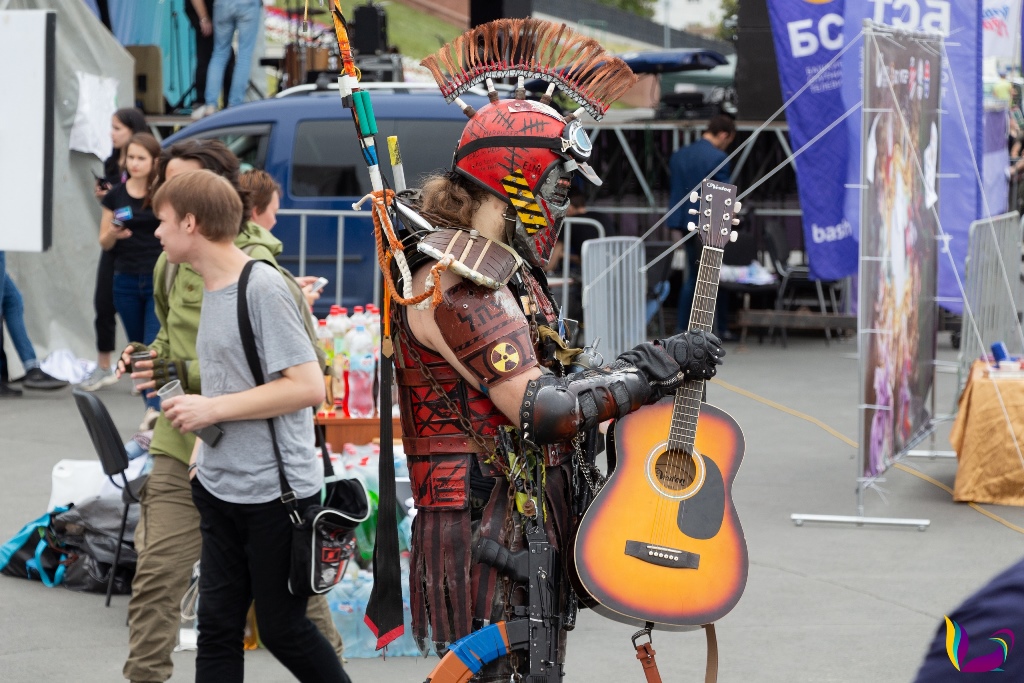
678 465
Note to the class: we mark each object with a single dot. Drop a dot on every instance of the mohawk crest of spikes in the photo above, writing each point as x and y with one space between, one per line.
530 48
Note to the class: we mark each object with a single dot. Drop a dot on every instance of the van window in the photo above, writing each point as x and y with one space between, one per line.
427 146
249 143
326 161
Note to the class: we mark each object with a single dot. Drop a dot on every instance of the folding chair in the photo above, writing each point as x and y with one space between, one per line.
114 460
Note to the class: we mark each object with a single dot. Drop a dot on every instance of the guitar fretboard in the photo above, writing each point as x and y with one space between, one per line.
686 410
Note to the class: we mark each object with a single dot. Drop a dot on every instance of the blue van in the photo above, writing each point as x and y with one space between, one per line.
308 144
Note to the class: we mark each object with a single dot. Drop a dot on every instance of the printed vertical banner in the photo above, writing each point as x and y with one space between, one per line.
898 239
960 122
808 34
1000 20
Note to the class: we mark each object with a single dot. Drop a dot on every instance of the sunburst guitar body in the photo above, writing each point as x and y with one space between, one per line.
662 542
652 549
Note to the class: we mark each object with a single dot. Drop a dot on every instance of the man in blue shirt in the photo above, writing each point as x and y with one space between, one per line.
688 167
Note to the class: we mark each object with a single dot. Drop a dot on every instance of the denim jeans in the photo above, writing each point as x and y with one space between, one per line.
133 299
245 557
246 17
13 313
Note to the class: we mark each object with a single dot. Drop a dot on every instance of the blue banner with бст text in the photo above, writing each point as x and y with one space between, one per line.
808 35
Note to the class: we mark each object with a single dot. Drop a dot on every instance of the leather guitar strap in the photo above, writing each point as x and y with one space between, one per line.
711 672
645 654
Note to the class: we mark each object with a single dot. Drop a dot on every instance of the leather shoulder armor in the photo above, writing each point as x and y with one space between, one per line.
473 257
486 331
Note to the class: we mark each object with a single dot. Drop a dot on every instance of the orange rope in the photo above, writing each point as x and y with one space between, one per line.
382 227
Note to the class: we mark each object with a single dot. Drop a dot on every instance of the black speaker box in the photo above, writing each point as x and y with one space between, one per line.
483 11
371 29
758 93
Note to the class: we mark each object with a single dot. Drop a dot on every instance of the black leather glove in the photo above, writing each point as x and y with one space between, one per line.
667 363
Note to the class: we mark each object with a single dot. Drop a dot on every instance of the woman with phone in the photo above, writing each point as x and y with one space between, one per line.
127 230
265 196
123 125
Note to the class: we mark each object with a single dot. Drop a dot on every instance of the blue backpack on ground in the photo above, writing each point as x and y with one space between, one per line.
35 552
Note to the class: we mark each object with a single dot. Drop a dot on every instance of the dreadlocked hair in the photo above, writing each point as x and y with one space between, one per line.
450 200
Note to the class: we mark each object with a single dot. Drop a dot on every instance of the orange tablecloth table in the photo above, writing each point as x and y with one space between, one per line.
343 430
990 468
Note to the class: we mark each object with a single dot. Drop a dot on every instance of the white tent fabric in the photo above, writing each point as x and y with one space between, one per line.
58 285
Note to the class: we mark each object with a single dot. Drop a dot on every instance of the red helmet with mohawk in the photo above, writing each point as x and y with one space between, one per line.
523 151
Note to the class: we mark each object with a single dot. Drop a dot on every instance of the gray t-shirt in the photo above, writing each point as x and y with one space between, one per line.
242 468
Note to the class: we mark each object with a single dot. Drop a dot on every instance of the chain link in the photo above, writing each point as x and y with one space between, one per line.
591 474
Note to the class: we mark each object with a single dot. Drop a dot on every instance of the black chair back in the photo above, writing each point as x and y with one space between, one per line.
778 245
102 431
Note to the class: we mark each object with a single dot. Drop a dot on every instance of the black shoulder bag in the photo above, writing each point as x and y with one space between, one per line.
321 536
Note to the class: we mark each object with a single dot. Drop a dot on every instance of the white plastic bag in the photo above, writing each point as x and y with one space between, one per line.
76 480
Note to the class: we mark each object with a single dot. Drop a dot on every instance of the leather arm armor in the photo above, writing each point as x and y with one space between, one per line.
557 408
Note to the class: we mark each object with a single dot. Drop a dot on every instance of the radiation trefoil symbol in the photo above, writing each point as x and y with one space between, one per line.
505 357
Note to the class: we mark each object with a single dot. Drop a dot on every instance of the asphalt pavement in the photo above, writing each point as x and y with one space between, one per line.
822 603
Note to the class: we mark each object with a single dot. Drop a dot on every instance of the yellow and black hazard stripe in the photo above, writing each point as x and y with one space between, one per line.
524 202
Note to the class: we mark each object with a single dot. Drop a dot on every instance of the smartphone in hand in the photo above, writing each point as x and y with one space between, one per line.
320 283
210 435
101 182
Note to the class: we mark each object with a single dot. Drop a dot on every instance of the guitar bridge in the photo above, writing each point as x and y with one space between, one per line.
662 556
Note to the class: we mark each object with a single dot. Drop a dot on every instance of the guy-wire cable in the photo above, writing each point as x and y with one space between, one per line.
725 161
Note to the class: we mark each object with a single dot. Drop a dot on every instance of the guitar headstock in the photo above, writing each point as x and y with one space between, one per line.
718 213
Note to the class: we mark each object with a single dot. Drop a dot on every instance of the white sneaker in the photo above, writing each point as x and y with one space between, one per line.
203 111
98 378
149 419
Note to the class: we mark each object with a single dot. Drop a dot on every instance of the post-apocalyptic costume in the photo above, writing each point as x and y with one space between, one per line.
488 484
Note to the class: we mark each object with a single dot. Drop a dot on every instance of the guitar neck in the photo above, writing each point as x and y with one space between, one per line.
686 410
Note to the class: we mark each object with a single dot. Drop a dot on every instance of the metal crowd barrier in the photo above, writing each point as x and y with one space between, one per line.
992 289
567 224
614 293
339 266
341 215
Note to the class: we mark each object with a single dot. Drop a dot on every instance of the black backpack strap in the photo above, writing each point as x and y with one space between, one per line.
252 356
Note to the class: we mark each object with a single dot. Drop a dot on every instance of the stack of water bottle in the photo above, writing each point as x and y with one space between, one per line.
348 599
352 346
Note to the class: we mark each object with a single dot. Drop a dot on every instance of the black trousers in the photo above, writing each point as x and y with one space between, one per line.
245 558
204 50
103 302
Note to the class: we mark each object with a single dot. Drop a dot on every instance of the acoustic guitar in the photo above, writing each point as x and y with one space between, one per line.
662 542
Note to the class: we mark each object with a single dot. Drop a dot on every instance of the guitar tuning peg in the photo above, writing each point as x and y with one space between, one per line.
733 235
691 226
739 207
693 212
735 221
694 196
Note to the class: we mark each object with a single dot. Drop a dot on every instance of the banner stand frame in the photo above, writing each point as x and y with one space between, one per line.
864 483
933 454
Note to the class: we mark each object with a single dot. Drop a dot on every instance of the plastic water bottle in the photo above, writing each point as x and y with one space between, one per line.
358 316
373 315
326 340
338 324
361 374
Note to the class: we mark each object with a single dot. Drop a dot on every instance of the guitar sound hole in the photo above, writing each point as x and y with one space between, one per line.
675 470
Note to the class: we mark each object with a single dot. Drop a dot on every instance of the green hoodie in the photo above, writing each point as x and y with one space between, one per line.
178 310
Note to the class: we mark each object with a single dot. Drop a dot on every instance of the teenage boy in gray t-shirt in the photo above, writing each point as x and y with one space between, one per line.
235 486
